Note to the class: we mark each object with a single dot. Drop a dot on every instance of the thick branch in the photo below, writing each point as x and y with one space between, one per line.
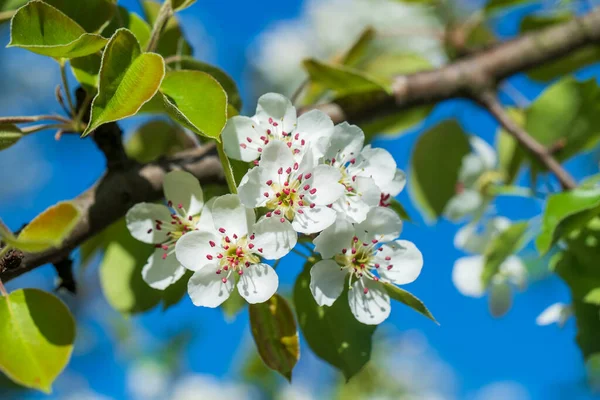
490 101
476 73
111 197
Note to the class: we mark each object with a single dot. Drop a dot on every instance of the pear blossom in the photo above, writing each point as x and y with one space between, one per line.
164 225
476 169
368 174
293 191
364 255
229 246
393 188
557 313
245 138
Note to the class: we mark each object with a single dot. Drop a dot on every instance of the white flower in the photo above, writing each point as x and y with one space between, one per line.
468 199
292 191
245 138
366 172
557 313
366 254
228 243
393 188
471 239
163 226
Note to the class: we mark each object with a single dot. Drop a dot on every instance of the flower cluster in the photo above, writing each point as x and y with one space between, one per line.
308 177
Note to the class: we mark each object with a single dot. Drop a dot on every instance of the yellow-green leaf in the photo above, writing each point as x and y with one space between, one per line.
128 79
408 299
179 5
49 229
36 337
341 79
91 15
275 334
500 248
196 100
9 135
43 29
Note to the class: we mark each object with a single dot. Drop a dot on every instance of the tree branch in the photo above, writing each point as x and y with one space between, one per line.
490 101
111 197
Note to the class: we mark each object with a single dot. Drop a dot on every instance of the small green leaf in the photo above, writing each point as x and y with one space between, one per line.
399 209
332 332
196 100
388 66
500 248
155 139
9 135
340 79
36 337
564 212
435 163
86 71
179 5
128 79
275 334
358 49
42 29
408 299
49 229
510 154
228 84
593 296
129 20
588 326
91 15
171 41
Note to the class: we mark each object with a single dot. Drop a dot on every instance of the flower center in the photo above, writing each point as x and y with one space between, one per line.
287 196
176 228
274 131
234 254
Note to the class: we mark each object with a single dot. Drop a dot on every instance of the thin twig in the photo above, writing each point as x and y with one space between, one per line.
164 14
490 101
42 127
32 118
63 75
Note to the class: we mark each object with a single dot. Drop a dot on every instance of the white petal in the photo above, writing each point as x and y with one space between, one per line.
371 308
277 155
193 249
334 238
396 185
326 282
466 276
254 186
471 168
324 181
356 206
279 108
258 283
466 239
346 143
235 141
515 271
557 313
378 164
486 153
500 299
463 204
381 224
160 274
276 238
183 188
205 222
141 222
406 261
313 220
316 128
207 289
231 216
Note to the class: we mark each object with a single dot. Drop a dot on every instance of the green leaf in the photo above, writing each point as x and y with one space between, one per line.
128 79
196 100
593 296
388 66
9 135
179 5
564 212
340 79
49 229
588 326
332 332
563 65
493 6
399 209
131 21
358 49
228 84
171 42
408 299
155 139
510 154
37 335
275 334
121 272
86 70
91 15
435 163
500 248
233 305
566 111
42 29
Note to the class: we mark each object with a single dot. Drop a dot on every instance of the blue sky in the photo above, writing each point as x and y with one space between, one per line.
479 349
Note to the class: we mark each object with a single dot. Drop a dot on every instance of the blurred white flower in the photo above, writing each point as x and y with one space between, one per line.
557 313
147 380
502 391
206 387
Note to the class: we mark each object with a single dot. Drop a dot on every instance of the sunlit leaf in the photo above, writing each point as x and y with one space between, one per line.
42 29
510 155
408 299
500 248
433 184
9 135
275 334
155 139
36 337
340 79
128 79
358 49
196 100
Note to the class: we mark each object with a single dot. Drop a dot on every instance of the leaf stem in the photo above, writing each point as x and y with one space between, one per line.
3 289
63 75
227 168
37 128
164 14
32 118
